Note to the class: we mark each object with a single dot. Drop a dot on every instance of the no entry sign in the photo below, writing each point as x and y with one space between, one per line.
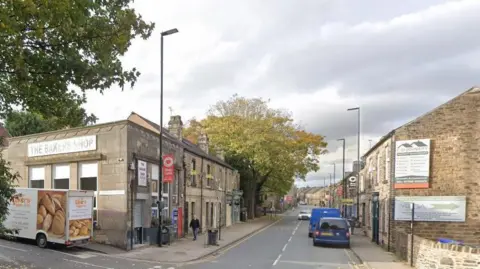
168 168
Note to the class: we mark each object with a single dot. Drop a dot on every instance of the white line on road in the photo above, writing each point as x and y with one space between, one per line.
89 264
284 247
290 239
2 246
275 262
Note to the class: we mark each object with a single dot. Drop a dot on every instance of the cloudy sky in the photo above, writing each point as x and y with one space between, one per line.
394 59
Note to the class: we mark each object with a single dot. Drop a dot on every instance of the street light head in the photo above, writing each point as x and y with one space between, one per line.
353 108
170 32
341 139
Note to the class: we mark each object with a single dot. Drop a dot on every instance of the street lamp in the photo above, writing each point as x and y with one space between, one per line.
330 191
333 196
344 184
160 136
358 158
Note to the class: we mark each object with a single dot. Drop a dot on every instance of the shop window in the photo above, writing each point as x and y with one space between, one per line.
61 176
36 176
165 188
88 179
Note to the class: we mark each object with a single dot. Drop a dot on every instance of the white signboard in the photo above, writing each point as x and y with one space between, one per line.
80 208
412 163
142 173
62 146
431 208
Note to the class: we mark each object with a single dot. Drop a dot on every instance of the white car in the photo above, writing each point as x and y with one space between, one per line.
304 215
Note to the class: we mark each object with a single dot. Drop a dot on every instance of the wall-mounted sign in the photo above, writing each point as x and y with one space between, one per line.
431 208
62 146
168 168
142 173
352 182
412 164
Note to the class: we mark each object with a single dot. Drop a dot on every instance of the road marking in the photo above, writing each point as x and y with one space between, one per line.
89 264
3 246
84 255
275 262
284 247
290 239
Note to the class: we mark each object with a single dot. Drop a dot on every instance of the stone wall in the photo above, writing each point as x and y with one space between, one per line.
430 254
454 130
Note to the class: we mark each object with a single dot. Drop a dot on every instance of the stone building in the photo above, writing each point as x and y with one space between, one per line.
212 186
452 169
119 161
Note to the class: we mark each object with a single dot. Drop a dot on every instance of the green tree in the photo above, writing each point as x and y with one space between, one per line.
20 123
52 52
263 144
7 184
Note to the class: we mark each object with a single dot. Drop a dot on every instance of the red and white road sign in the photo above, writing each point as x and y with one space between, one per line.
168 168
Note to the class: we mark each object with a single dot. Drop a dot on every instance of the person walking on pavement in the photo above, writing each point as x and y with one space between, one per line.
195 225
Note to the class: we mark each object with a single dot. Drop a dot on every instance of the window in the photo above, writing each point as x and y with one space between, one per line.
333 224
154 178
165 187
36 176
387 163
193 177
88 179
61 176
208 175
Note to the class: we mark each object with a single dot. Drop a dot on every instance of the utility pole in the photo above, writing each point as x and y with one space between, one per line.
344 182
358 159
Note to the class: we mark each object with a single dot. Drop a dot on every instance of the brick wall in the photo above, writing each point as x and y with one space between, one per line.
430 254
454 130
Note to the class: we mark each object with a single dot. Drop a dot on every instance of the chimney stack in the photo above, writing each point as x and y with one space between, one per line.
175 127
203 142
220 153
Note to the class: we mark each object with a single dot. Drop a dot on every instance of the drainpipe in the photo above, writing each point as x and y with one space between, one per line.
201 197
185 203
132 195
391 190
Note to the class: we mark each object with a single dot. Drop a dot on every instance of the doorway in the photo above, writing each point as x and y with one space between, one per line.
138 216
375 218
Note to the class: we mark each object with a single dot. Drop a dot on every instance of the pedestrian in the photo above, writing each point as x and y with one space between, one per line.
195 225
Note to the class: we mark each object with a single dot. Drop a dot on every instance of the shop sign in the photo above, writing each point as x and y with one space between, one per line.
63 146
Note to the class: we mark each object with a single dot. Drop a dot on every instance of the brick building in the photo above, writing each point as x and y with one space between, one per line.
453 131
119 162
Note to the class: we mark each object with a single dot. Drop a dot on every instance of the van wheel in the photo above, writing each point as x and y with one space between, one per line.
41 240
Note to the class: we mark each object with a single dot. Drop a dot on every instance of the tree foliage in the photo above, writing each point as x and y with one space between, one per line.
20 123
8 179
49 47
263 143
52 52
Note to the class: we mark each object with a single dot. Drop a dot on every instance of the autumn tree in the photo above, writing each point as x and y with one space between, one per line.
263 143
52 52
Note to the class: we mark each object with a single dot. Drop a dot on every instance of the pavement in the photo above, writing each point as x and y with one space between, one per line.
373 256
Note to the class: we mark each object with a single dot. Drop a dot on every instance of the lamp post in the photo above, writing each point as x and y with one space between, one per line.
333 188
344 183
330 191
160 136
358 157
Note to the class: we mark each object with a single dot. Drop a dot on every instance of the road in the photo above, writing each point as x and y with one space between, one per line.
28 255
283 246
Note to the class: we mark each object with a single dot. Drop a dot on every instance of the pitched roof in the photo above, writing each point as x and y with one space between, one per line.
186 144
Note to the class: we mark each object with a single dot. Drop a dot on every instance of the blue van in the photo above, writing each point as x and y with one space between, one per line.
333 231
318 213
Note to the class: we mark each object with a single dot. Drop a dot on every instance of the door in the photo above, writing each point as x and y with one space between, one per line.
375 221
185 219
138 221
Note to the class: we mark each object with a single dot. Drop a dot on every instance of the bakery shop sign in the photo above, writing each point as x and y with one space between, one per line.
63 146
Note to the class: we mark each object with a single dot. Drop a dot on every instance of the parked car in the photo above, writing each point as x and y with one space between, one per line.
304 215
332 231
319 213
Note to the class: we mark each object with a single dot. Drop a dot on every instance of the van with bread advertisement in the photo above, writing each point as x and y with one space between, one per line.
51 216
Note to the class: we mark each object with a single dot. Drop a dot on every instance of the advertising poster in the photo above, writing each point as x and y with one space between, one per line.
80 223
412 164
21 212
51 216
